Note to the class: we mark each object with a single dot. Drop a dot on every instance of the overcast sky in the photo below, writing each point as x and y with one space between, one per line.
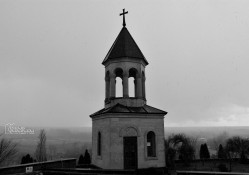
51 53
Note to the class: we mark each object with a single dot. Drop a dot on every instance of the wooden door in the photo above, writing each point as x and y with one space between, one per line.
130 152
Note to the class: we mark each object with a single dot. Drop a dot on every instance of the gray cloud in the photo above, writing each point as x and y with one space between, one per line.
51 54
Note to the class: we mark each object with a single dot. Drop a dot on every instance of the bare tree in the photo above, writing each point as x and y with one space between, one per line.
52 151
7 149
40 152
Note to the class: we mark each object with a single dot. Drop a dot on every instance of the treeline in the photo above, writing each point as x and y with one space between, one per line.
184 148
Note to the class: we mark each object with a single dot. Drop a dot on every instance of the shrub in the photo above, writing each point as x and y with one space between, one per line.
222 168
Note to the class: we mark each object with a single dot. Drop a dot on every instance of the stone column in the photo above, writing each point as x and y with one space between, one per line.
139 86
107 87
125 86
143 85
135 88
112 86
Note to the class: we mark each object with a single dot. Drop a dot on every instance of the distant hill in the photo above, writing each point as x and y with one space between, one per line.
84 134
70 142
209 132
54 133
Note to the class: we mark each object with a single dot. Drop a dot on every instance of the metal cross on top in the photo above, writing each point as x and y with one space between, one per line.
124 12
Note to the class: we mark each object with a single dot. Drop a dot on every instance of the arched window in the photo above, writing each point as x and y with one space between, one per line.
151 144
99 144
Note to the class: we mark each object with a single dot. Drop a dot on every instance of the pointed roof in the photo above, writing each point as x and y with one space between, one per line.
124 46
119 108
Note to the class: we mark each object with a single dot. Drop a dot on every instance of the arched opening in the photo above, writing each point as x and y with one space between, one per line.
118 82
99 144
119 87
131 132
132 82
151 144
131 87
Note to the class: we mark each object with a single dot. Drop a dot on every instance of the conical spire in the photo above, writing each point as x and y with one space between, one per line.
124 46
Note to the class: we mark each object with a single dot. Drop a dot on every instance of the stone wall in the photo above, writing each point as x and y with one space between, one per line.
101 126
38 166
112 140
207 173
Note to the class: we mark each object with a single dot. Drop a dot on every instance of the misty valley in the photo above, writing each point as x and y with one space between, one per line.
72 142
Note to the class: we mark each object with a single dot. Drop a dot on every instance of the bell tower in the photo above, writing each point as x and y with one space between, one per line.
127 133
125 60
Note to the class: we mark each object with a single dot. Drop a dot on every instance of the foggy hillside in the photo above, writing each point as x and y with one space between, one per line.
71 142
